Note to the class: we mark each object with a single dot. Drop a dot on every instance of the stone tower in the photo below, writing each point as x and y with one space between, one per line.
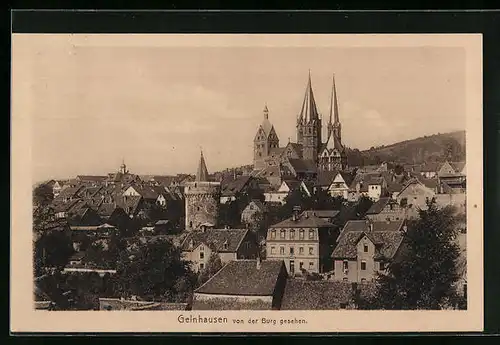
201 199
265 141
309 126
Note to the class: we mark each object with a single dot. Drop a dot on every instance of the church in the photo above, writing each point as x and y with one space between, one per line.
310 149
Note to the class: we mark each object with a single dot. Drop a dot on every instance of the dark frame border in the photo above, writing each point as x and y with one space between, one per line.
417 22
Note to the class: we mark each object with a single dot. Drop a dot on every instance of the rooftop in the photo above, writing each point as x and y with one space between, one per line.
242 277
215 239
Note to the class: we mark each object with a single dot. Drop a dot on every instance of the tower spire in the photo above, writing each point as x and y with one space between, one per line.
309 110
335 102
202 172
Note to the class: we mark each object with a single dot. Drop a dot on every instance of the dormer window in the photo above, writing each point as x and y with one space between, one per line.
225 245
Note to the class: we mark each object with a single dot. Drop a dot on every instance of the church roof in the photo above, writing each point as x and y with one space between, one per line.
309 110
333 143
202 172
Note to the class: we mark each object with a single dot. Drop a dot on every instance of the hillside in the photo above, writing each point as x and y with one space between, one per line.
437 147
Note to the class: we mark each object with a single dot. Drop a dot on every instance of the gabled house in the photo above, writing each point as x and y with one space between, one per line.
365 248
243 285
340 185
416 193
302 169
231 189
386 209
429 170
229 244
287 186
453 174
254 209
302 242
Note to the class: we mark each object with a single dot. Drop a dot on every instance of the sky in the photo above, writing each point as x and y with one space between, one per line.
90 106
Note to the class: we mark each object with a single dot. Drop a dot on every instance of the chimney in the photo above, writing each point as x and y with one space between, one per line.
258 262
371 226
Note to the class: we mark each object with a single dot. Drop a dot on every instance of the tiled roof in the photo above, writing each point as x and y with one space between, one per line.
377 207
242 277
315 295
131 202
325 178
303 221
458 166
106 209
386 242
91 178
259 204
326 213
364 225
215 239
303 165
229 304
430 167
230 188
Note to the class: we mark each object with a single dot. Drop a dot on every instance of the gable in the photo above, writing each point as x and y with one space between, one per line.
284 187
446 168
338 179
416 189
261 134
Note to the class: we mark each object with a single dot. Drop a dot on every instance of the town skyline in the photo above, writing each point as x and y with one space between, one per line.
156 106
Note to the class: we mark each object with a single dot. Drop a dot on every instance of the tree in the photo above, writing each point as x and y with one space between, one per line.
214 264
42 195
153 270
424 274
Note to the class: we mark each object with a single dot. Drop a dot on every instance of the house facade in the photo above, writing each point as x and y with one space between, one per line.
229 244
365 248
300 242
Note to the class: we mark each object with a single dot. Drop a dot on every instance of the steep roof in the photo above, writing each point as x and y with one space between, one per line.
230 188
242 277
386 243
377 207
131 202
309 110
364 225
202 172
315 295
325 178
303 165
215 239
306 220
325 213
91 178
333 143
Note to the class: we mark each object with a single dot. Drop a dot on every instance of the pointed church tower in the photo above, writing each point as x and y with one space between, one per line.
309 125
202 172
333 155
334 126
201 199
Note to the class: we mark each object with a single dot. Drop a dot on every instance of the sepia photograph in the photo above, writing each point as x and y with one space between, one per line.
247 182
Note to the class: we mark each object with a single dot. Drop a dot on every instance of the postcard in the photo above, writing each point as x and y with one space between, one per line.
246 183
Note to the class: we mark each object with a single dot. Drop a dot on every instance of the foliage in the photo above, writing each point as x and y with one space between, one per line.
154 270
214 264
52 248
424 275
42 195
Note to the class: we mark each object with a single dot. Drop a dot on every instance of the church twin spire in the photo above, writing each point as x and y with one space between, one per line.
309 110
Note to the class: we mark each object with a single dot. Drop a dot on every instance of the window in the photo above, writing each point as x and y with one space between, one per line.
301 250
273 250
301 265
381 266
282 234
291 250
202 265
311 265
198 208
202 255
311 234
343 305
282 250
344 279
301 234
311 250
273 234
363 265
365 248
292 267
292 234
363 280
345 265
